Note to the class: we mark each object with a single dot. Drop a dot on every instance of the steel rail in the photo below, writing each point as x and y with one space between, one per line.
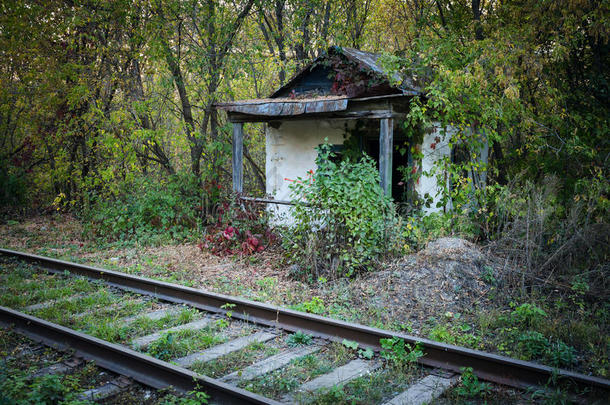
487 366
122 360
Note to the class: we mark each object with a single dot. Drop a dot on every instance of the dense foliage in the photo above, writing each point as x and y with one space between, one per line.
104 105
146 210
342 219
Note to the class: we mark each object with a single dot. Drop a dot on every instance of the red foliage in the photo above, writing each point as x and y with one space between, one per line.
351 79
241 228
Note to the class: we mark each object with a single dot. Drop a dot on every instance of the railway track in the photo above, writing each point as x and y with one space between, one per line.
228 347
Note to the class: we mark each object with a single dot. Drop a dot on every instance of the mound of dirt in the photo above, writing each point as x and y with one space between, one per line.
445 278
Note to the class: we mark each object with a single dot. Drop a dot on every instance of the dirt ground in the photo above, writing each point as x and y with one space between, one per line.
450 291
62 236
443 279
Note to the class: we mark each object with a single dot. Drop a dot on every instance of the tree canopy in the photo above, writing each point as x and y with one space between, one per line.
95 94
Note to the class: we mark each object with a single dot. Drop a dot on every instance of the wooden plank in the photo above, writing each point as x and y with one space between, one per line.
50 303
238 157
269 364
221 350
338 115
424 391
267 201
154 315
386 142
344 374
144 341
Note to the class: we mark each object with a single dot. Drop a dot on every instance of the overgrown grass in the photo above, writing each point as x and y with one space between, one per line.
20 291
114 330
236 360
172 345
289 378
61 311
376 387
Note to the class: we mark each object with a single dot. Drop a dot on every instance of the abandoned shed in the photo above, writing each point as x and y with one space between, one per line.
346 98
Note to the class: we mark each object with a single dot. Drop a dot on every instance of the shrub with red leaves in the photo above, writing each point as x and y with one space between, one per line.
241 228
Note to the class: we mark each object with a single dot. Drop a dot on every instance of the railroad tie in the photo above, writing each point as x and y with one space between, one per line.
269 364
105 391
64 367
50 303
144 341
154 315
59 368
353 369
22 353
224 349
424 391
88 312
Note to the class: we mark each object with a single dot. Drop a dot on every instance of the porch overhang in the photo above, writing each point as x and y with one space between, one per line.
323 107
385 108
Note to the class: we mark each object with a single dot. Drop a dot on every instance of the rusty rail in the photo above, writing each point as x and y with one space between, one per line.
122 360
490 367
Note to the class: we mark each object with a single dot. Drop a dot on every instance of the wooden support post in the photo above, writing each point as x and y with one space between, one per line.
238 157
386 142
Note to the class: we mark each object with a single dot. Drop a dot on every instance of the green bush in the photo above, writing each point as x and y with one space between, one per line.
148 210
313 306
560 355
400 354
532 344
343 221
528 315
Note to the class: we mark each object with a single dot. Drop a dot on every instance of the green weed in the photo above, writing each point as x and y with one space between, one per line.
299 338
181 343
196 397
528 315
350 344
313 306
400 354
470 386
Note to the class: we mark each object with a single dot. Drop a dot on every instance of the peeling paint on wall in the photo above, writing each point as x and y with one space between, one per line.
291 152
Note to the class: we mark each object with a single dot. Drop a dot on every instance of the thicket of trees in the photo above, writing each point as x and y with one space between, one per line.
95 96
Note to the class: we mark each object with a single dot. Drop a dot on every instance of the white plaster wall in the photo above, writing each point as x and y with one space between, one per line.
428 181
291 152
